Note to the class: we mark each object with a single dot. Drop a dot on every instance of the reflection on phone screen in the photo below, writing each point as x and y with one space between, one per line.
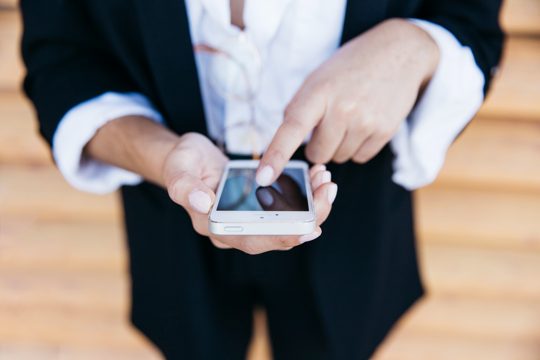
241 192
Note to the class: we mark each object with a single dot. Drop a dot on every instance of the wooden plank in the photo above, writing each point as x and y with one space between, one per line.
73 246
499 218
19 139
64 326
11 71
479 320
61 245
447 270
521 17
441 347
73 291
464 327
516 89
495 153
8 4
476 318
479 242
491 273
39 192
478 270
34 350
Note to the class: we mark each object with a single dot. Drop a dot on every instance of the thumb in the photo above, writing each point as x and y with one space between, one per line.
191 193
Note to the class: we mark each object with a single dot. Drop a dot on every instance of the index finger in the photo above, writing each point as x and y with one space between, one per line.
302 115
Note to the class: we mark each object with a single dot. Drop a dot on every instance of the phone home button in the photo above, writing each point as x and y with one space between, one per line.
234 229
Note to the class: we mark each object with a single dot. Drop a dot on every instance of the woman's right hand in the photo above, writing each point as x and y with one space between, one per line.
191 173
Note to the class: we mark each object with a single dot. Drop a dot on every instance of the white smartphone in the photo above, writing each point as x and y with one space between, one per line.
244 208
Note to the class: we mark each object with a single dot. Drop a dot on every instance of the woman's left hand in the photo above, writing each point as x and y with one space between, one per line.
354 103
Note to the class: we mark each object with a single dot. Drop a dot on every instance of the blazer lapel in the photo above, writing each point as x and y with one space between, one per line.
167 43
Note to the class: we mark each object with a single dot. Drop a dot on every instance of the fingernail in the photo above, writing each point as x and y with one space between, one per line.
332 192
200 201
265 175
265 197
326 177
309 237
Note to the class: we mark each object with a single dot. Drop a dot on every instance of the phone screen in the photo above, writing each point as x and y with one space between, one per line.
241 192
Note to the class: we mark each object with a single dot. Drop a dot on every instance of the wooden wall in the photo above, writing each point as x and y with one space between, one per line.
63 287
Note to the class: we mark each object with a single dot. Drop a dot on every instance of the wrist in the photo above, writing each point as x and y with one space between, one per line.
431 54
423 52
134 143
428 50
151 145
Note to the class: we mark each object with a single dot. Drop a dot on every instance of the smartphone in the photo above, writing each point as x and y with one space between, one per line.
244 208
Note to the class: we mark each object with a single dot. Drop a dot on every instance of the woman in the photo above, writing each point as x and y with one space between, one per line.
167 92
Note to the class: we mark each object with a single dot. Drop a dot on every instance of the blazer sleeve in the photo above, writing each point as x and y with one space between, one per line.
475 23
67 62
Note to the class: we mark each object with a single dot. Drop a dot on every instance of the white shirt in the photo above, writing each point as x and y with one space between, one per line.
291 38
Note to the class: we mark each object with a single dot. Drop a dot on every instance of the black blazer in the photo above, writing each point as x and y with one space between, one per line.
362 280
75 50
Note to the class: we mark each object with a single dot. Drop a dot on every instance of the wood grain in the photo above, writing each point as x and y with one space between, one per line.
36 350
492 274
407 346
7 5
56 325
20 142
75 290
505 217
498 154
516 88
457 270
39 192
521 17
11 71
27 244
473 317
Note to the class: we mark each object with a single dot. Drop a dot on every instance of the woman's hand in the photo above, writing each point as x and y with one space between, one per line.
190 167
354 103
191 174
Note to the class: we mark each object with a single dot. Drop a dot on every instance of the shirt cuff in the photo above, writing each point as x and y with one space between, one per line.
449 102
80 124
